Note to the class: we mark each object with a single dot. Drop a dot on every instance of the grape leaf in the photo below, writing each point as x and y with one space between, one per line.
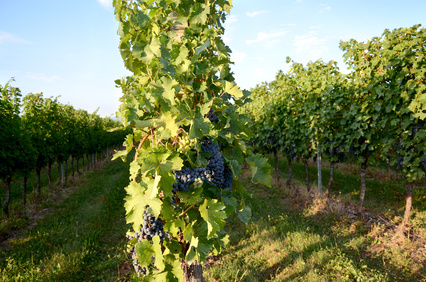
245 214
199 127
159 260
260 169
213 212
144 253
136 201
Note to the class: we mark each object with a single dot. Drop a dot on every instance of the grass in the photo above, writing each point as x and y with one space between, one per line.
19 217
291 236
295 238
81 238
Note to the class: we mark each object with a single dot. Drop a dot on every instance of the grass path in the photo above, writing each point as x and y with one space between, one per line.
294 238
80 239
290 238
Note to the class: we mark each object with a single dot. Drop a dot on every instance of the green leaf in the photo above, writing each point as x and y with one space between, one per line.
144 253
142 123
168 122
202 47
213 212
238 187
173 226
120 154
136 201
159 259
245 214
198 250
231 205
151 51
199 13
192 196
260 169
199 127
233 90
153 186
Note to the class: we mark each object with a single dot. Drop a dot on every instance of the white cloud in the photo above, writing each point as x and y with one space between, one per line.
256 13
106 3
310 44
230 20
238 56
229 28
324 9
6 37
267 37
290 24
43 77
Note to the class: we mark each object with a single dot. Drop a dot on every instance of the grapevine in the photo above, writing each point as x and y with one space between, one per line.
181 103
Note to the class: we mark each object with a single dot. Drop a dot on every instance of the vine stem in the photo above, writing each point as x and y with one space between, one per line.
140 146
184 212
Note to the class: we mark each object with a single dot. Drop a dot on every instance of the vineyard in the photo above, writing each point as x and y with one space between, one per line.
373 115
39 132
211 182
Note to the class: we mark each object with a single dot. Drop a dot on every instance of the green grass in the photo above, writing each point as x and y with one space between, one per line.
82 238
18 218
289 238
292 238
385 192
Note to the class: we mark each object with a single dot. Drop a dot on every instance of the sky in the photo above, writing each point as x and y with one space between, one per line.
69 48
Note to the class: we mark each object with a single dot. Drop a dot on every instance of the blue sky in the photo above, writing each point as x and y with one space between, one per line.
69 48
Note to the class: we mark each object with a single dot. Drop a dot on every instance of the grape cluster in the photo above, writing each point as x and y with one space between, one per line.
186 177
151 227
423 163
212 117
215 166
215 172
138 268
339 151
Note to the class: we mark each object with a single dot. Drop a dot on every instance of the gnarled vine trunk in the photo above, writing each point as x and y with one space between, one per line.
76 166
305 162
408 203
59 174
277 169
330 182
362 192
319 166
49 175
290 172
192 272
72 167
8 180
65 170
24 191
38 190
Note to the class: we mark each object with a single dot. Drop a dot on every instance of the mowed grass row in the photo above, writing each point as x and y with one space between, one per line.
290 237
18 215
80 239
293 238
